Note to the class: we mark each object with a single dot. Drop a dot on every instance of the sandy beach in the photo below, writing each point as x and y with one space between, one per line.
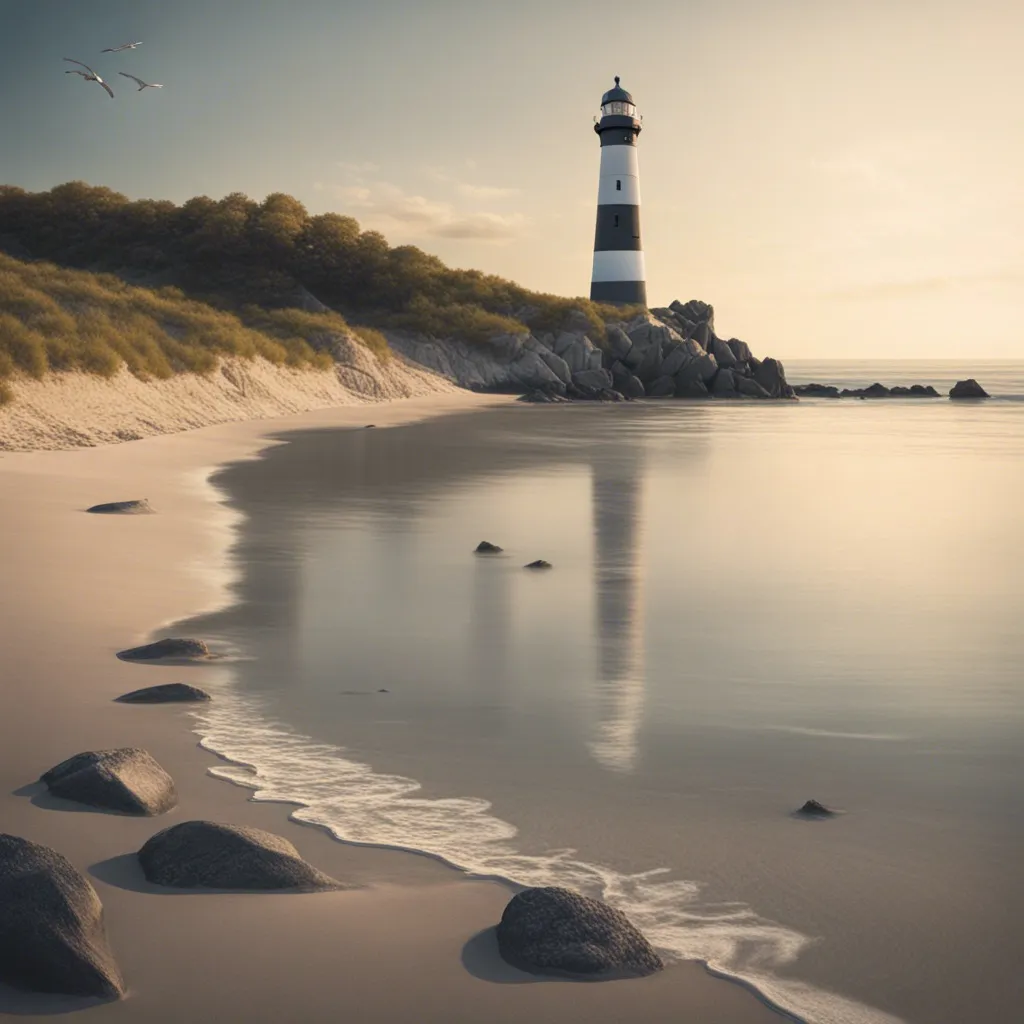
410 941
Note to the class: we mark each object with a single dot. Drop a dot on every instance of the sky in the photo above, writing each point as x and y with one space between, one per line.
839 180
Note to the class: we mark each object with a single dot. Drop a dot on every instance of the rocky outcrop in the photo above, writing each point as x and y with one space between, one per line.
671 352
877 390
139 506
538 564
969 388
52 937
485 547
171 648
128 780
165 693
557 931
816 390
813 809
208 855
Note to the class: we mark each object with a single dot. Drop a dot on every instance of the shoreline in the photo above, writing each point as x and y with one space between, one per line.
413 941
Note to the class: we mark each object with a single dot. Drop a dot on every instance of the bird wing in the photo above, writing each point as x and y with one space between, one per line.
73 72
132 77
81 65
110 92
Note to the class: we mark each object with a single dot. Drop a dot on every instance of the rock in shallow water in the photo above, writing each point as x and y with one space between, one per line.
127 780
815 810
556 931
52 937
166 693
969 388
539 564
139 506
171 647
208 855
485 547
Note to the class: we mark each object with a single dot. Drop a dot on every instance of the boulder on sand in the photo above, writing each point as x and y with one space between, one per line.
165 693
139 506
556 931
127 780
52 937
969 388
208 855
177 648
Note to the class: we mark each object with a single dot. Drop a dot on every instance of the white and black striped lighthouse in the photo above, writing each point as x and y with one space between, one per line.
618 254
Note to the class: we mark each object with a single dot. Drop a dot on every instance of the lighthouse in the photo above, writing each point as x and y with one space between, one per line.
618 254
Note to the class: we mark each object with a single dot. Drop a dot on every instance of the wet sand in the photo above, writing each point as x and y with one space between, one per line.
411 942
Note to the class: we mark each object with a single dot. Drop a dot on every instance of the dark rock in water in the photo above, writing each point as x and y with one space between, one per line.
748 387
876 390
171 647
52 937
663 387
166 693
549 393
556 931
771 375
485 547
741 350
816 390
914 391
539 564
127 780
625 383
814 809
691 388
369 426
969 388
724 384
140 506
208 855
597 379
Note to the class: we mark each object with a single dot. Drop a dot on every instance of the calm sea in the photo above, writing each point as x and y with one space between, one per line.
751 605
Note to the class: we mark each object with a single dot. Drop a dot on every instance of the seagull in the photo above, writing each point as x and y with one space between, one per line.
118 49
142 85
90 77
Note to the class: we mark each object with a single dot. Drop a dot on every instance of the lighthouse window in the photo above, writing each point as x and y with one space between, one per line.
618 185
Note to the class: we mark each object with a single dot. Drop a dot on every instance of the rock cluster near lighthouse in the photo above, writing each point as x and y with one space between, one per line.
671 352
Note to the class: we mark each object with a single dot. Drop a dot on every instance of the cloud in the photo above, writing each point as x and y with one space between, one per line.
485 191
937 285
385 207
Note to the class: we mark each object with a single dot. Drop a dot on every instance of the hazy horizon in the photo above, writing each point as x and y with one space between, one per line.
838 182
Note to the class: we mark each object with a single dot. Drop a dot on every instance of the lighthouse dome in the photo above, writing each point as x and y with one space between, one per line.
616 95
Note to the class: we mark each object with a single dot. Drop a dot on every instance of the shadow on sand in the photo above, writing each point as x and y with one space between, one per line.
481 958
16 1003
39 796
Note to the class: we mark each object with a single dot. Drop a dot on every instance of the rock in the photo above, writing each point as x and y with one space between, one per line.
741 350
485 547
597 379
136 507
677 357
722 352
771 375
624 382
702 335
702 368
539 564
748 387
555 931
874 391
814 809
650 366
127 780
52 937
556 365
171 647
695 311
724 384
663 387
542 395
695 388
618 343
165 693
815 390
914 391
208 855
969 388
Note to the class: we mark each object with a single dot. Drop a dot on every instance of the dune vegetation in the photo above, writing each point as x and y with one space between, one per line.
235 253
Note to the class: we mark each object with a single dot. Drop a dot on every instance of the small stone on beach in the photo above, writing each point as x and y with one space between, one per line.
140 506
539 564
814 809
171 647
128 780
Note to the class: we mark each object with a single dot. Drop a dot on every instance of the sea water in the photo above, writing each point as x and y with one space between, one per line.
750 605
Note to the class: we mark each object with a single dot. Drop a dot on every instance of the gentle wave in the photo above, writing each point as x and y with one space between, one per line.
799 730
358 805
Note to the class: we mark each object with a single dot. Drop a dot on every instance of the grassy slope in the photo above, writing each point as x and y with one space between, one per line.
52 318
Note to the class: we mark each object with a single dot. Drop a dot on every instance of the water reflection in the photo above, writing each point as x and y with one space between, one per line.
616 499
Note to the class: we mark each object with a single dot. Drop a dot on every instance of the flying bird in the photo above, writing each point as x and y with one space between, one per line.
90 77
123 46
142 85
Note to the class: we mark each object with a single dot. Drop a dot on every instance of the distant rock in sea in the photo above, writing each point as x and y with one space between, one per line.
556 931
539 564
176 648
969 388
485 547
127 780
52 937
165 693
139 506
813 809
881 391
208 855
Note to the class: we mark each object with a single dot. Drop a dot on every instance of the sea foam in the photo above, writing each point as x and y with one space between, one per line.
358 805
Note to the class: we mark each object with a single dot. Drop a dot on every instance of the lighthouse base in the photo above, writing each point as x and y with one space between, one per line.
619 293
